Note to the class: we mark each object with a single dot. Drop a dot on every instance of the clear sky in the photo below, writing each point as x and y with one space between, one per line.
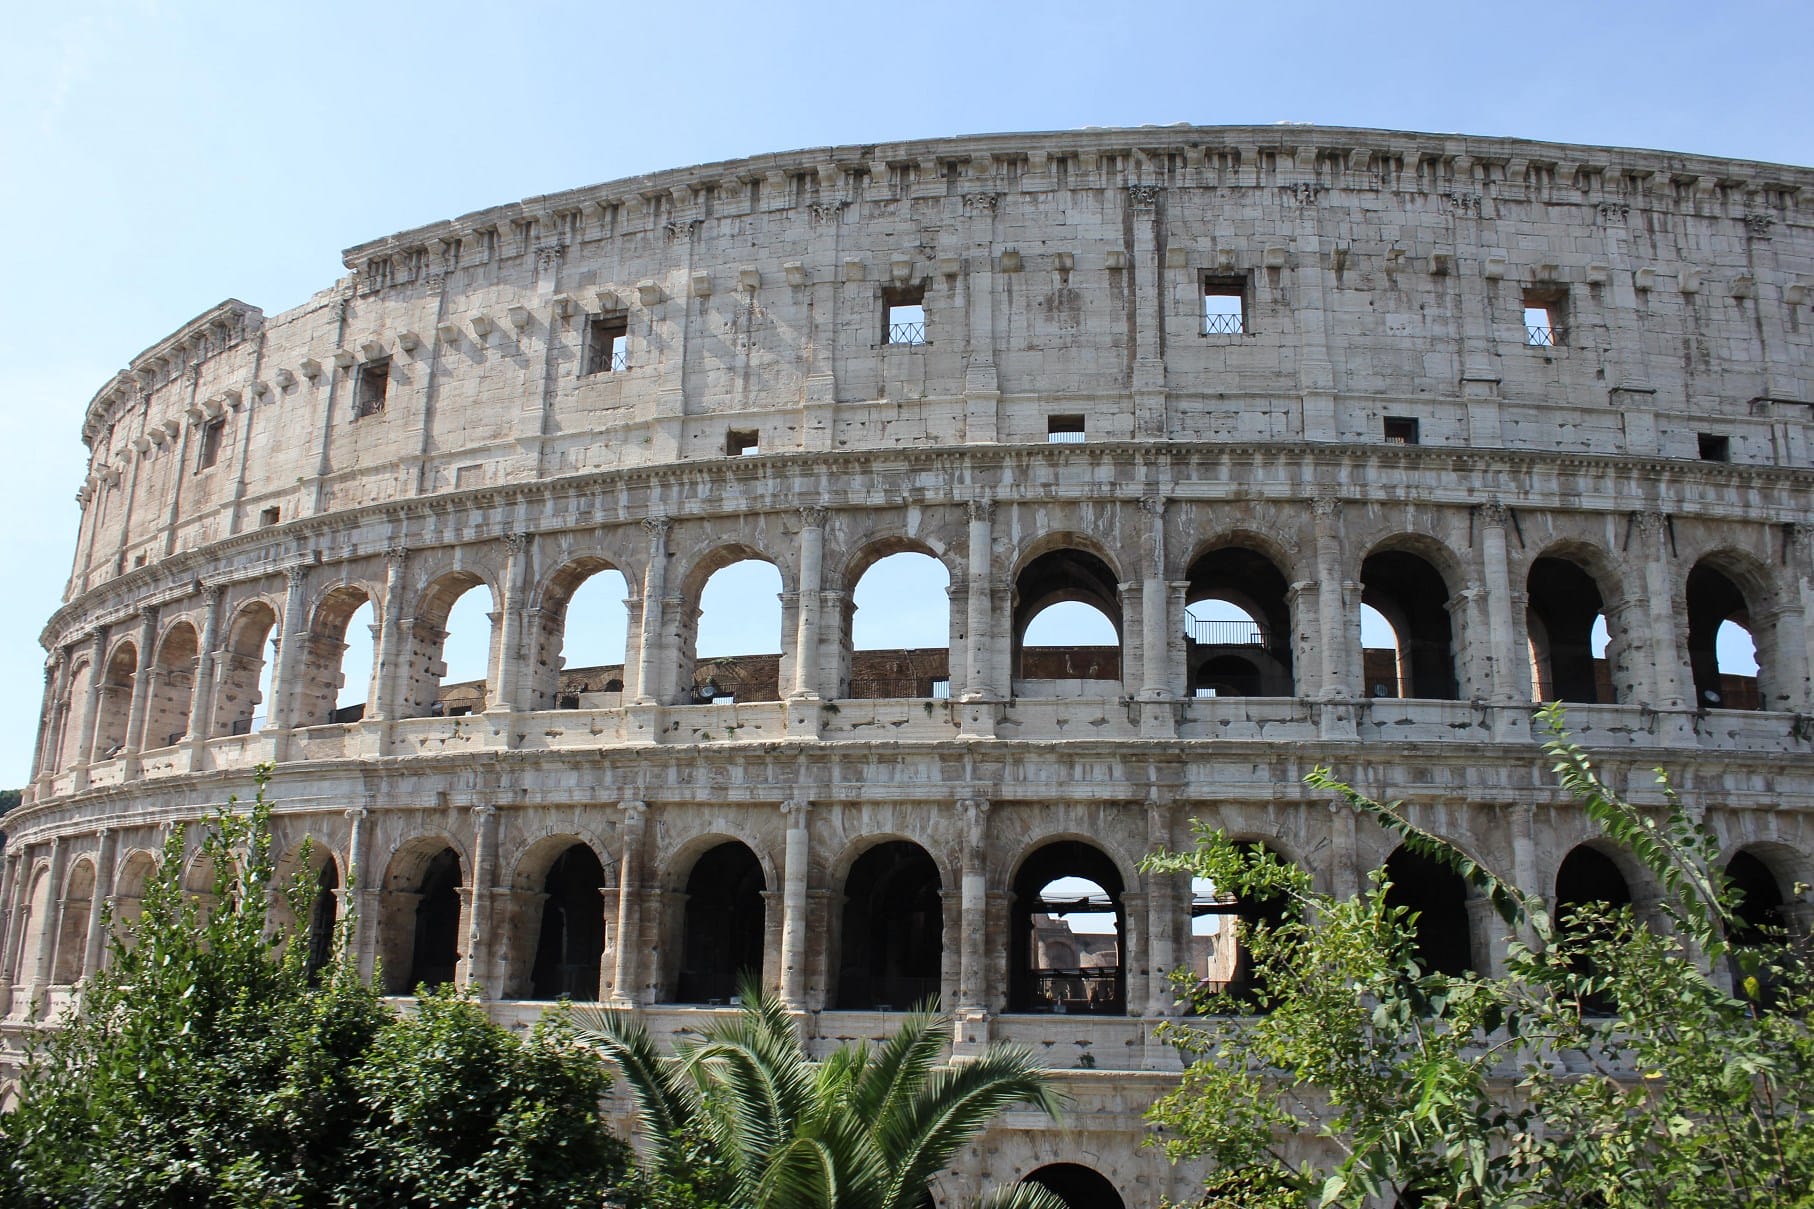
158 157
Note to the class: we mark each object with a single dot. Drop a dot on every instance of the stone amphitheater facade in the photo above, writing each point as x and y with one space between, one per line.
1492 389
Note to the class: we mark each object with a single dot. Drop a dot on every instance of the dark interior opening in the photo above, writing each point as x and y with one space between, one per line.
572 941
723 932
893 935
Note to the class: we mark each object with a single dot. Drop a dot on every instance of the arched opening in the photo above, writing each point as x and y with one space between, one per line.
1589 888
1068 933
1762 927
1437 897
337 665
1722 650
893 934
72 933
1237 626
1566 623
582 637
115 705
1222 924
32 933
1067 627
129 894
570 947
733 641
70 737
1077 1186
172 687
900 629
421 915
243 673
448 644
324 916
1411 597
723 928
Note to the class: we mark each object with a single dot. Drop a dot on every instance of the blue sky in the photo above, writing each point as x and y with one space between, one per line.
156 158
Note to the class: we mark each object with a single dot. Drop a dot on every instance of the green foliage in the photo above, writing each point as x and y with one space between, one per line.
1609 1066
207 1065
9 798
861 1130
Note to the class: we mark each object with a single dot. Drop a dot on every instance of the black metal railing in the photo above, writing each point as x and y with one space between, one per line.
907 333
1096 991
1228 324
1539 336
620 361
1064 438
1223 633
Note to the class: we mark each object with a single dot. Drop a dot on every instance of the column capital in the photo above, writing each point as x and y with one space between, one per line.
795 810
1153 505
484 811
657 527
813 516
355 814
211 593
1650 524
148 615
1494 513
396 555
981 510
516 543
1326 507
296 574
635 811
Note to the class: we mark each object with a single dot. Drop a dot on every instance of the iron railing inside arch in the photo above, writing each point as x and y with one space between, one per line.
1223 633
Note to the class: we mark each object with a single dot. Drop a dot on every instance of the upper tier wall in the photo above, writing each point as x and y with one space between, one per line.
1381 273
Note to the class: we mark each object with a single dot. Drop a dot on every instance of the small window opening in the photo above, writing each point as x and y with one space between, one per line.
941 690
1224 306
268 517
1064 430
1401 430
1543 319
739 443
904 314
607 344
374 381
1714 447
210 448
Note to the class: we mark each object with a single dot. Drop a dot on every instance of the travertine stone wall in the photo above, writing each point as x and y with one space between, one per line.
1657 455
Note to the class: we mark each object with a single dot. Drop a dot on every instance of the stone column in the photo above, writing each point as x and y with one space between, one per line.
507 693
9 942
201 702
361 896
1162 910
281 714
53 922
1803 580
972 991
91 704
42 757
144 683
794 924
806 638
96 941
382 701
1155 625
625 992
1338 629
478 921
977 685
1508 676
1659 589
654 588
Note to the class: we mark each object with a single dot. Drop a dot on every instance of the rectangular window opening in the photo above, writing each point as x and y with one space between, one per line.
904 314
607 344
1064 430
1224 306
1401 430
210 446
1544 319
739 443
1714 447
374 383
268 517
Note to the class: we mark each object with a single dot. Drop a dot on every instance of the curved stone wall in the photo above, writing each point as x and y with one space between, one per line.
1496 391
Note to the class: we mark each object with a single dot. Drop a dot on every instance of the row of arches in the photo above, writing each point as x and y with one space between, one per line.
1241 629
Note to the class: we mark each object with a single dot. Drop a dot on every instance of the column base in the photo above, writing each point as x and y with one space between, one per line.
977 719
805 716
1158 719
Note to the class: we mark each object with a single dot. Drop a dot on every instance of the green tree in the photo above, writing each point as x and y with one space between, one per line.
208 1065
1610 1066
742 1117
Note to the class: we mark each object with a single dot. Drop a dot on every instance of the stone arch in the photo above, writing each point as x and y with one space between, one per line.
1061 569
548 619
321 883
76 909
911 673
691 671
422 907
1256 660
1723 586
718 921
81 674
322 670
1591 876
1039 980
34 933
1437 897
1403 579
1220 956
241 667
137 868
890 938
425 637
556 933
114 709
1567 586
172 686
1078 1186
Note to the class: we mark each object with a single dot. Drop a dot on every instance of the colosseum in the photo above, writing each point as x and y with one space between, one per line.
1358 443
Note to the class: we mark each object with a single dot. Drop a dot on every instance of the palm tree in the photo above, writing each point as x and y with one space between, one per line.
861 1130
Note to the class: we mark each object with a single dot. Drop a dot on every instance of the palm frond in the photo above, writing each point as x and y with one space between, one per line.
1022 1196
955 1104
663 1095
901 1067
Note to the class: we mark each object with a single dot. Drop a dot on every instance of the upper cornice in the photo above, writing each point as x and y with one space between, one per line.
1272 155
216 329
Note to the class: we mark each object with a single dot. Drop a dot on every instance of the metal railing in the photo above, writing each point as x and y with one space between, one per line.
1539 336
1064 438
1095 991
1223 633
907 333
1230 323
